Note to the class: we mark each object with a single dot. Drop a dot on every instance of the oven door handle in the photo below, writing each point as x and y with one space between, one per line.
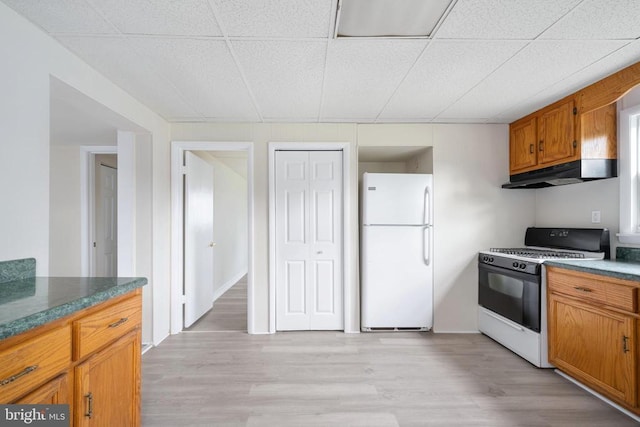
518 328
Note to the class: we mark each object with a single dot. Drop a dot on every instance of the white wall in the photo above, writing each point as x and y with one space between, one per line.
472 212
29 58
261 135
64 218
571 205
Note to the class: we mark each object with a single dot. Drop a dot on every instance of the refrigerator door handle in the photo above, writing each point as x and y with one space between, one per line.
426 249
426 216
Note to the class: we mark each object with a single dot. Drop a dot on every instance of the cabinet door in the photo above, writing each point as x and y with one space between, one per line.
556 133
54 392
108 385
594 345
522 145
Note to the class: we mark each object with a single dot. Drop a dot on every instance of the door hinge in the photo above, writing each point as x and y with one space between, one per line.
94 244
183 299
183 170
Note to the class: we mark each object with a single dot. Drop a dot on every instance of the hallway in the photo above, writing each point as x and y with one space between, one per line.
229 312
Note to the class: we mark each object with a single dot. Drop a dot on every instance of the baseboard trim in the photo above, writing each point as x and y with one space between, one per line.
228 284
598 395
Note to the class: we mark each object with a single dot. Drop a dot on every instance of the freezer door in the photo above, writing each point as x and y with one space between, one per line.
397 277
402 199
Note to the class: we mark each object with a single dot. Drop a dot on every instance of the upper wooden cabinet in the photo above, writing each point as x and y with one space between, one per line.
579 127
556 134
523 145
559 134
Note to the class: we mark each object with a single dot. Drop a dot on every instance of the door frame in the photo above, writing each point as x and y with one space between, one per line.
177 218
87 204
347 243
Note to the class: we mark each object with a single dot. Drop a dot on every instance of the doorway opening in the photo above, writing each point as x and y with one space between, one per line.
104 216
212 225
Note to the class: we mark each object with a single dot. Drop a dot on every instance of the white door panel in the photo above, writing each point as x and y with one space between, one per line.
107 228
396 198
398 291
198 238
309 240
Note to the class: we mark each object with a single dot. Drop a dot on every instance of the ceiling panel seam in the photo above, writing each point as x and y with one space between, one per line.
334 7
123 36
513 107
384 106
437 116
217 16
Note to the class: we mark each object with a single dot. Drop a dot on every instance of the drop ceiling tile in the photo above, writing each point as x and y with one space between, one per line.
113 57
63 16
275 18
285 76
627 55
445 72
535 68
203 71
595 19
185 17
361 75
502 19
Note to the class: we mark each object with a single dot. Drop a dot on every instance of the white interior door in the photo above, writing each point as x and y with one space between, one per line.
198 238
308 237
106 245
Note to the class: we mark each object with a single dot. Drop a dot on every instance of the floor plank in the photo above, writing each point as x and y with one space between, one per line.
372 379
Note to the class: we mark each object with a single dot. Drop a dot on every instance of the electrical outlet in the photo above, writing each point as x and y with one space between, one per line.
595 217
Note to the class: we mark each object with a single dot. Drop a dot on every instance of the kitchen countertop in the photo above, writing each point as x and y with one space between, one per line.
31 302
621 269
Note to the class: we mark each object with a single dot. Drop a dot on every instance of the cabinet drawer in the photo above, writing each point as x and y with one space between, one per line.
594 288
98 329
25 366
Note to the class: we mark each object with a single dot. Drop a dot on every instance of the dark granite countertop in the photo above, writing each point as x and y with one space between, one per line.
620 269
31 302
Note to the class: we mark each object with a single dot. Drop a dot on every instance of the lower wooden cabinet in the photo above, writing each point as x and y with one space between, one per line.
108 385
54 392
590 337
89 360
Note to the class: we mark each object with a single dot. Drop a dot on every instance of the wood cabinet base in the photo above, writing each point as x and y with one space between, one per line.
101 382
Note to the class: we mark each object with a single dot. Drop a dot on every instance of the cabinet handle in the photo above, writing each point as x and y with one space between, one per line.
118 323
580 288
541 145
89 412
625 348
530 148
19 375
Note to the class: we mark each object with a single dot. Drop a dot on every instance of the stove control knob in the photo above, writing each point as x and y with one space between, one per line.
491 259
515 264
523 266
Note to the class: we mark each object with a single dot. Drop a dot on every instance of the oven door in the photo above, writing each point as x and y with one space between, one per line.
511 294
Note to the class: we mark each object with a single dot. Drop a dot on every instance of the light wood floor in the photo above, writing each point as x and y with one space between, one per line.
229 312
368 379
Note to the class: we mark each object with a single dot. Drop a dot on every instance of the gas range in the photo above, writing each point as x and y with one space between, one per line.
528 259
512 294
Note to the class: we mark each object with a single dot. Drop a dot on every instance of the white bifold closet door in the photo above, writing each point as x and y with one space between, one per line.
309 279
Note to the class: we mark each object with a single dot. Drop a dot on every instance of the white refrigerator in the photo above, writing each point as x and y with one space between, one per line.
396 251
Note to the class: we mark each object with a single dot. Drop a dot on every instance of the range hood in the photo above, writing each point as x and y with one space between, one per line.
565 173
